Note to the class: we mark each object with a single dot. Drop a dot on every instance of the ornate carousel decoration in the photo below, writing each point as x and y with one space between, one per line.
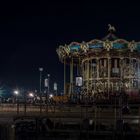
106 66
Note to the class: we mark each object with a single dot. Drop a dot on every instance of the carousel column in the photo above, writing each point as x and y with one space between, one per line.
105 66
104 76
78 67
64 76
120 87
139 84
97 59
98 68
138 73
130 68
109 68
94 76
137 69
91 75
83 75
87 77
83 70
90 79
71 78
121 74
78 73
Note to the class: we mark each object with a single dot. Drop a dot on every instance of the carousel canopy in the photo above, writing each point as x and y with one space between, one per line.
108 43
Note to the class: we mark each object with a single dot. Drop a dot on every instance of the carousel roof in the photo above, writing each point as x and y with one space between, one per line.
108 43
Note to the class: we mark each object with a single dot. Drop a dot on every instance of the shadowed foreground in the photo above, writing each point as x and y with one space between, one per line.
69 122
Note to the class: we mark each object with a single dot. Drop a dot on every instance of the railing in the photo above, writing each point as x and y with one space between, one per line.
89 120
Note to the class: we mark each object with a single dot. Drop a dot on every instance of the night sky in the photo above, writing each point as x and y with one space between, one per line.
31 31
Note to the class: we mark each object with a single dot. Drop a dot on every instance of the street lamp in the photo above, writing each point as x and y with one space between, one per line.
16 92
48 83
55 88
40 69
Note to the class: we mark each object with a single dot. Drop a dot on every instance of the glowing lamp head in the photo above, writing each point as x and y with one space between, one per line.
16 92
31 95
50 96
40 69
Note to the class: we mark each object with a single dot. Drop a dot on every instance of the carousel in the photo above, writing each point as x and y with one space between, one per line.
101 67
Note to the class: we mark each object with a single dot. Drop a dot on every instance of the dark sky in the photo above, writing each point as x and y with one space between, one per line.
31 31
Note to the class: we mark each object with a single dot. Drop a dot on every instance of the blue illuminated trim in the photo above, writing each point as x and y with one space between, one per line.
75 47
138 47
119 46
95 46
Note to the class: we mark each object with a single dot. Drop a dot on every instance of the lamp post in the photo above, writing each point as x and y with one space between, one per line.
55 89
48 89
46 84
25 102
16 93
40 89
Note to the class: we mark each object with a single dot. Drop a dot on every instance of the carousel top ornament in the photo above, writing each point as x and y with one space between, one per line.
111 28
